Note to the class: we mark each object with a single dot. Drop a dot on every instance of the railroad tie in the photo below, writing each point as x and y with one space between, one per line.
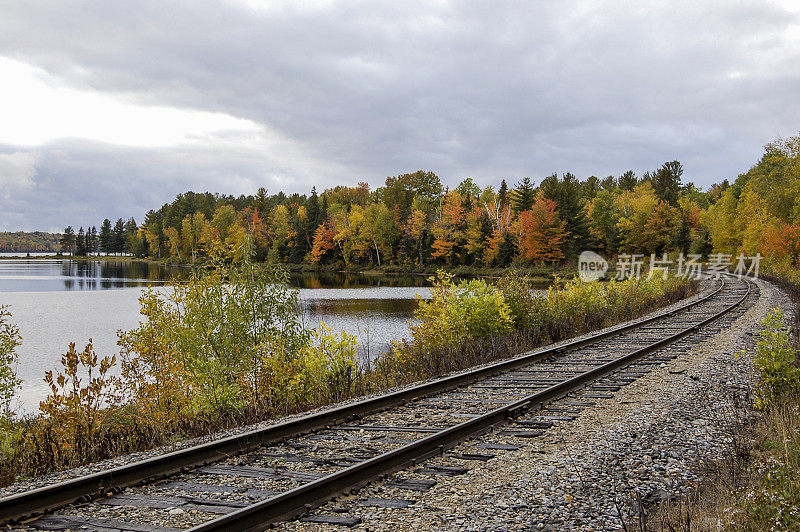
261 472
386 503
75 522
341 520
411 484
447 471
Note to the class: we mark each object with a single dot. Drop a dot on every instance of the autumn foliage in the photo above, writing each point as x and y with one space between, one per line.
781 243
541 232
413 221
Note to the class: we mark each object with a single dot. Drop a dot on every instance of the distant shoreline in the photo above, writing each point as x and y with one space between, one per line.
543 274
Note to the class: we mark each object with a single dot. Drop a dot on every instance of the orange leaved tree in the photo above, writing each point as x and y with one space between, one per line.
541 232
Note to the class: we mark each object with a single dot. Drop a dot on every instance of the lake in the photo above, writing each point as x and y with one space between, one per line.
54 302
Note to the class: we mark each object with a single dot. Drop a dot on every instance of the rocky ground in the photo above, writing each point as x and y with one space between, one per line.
645 444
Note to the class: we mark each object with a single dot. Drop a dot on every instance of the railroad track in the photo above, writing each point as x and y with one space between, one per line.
251 480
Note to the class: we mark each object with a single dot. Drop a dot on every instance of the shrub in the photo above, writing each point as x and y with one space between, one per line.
776 362
9 340
327 370
455 313
524 306
214 346
75 410
473 323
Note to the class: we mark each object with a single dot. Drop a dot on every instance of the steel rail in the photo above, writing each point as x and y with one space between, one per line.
87 487
261 515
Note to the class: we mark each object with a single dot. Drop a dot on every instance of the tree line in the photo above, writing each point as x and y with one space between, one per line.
24 242
121 239
413 220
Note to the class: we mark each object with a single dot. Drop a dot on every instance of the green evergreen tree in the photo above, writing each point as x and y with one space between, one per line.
590 188
92 241
628 180
609 183
566 192
67 241
683 240
506 251
106 237
323 212
80 243
667 182
502 194
524 195
300 244
312 209
118 237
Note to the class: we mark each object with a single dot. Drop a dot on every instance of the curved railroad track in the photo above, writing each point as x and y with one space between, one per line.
248 481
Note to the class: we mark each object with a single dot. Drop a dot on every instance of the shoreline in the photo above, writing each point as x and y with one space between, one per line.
537 274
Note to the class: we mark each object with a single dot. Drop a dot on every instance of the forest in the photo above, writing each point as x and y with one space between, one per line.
414 221
23 242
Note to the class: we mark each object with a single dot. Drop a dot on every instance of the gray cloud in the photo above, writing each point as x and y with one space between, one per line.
361 90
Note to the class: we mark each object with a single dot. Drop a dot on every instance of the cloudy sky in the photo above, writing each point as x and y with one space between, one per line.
110 108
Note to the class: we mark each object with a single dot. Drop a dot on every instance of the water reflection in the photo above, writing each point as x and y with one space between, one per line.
21 275
354 280
45 275
375 315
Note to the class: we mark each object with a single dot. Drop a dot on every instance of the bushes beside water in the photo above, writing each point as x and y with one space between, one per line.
471 323
229 347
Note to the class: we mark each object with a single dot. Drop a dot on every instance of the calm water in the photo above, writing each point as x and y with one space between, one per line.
54 302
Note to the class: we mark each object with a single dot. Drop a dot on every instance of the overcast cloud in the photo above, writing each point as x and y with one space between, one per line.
108 109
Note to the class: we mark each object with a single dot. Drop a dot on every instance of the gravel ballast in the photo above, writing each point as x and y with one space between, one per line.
645 444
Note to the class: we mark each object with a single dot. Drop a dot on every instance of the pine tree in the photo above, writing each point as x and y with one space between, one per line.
571 208
80 243
92 241
323 212
628 180
683 240
590 188
312 210
118 237
106 237
609 183
67 240
667 181
506 251
131 234
261 201
502 194
523 195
